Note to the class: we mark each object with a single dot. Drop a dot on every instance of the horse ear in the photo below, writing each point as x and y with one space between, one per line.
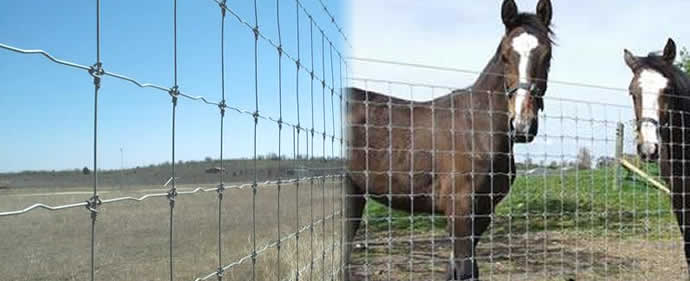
670 51
545 11
509 13
630 59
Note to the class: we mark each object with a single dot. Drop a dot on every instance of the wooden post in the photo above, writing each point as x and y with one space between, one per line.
620 139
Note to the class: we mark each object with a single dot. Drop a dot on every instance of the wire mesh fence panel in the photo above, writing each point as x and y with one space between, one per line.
577 204
266 206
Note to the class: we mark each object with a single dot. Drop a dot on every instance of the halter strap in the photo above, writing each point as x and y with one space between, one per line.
647 120
530 87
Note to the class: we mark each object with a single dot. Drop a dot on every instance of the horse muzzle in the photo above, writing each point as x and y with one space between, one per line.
648 145
648 151
524 130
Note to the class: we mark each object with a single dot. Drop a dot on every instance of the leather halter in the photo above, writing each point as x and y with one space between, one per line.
647 120
530 87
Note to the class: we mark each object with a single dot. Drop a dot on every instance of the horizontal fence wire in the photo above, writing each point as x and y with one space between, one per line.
167 90
335 23
329 175
476 72
265 184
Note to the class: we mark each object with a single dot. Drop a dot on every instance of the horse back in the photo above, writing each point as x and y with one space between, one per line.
410 149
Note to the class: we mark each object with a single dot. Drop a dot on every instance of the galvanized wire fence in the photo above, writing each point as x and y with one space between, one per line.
325 177
573 212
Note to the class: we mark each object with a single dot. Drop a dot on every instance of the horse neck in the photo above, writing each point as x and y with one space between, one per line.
491 81
677 140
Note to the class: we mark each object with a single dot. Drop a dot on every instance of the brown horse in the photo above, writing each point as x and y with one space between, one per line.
661 96
452 155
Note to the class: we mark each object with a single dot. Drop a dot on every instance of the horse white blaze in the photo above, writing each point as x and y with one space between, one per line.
523 44
651 84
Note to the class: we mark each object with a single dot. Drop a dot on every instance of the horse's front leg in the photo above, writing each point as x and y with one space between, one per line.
681 209
354 205
473 218
462 230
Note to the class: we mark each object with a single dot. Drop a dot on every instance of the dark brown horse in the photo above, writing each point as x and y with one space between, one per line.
661 95
452 155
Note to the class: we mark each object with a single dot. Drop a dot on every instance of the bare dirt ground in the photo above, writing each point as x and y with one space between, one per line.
534 256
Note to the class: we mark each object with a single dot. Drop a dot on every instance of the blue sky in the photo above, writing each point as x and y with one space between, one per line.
48 109
590 37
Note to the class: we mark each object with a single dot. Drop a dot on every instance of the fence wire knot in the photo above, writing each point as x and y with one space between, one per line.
221 188
220 272
172 195
280 50
92 205
96 71
256 32
174 93
256 116
298 63
222 107
280 123
222 8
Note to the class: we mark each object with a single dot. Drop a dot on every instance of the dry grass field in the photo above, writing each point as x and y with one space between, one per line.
132 237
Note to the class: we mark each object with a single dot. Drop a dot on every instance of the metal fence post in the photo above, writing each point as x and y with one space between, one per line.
620 138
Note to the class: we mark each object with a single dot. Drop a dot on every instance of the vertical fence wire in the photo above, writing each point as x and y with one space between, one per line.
311 181
453 216
96 71
280 132
296 139
433 180
172 193
323 155
411 179
366 183
343 165
333 158
221 186
256 122
389 218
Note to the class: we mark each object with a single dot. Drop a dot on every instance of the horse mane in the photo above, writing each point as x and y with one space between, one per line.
535 26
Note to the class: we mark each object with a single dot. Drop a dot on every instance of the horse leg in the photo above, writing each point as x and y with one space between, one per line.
681 209
462 233
354 205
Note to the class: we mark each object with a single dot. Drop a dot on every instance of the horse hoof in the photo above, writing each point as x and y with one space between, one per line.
463 271
454 277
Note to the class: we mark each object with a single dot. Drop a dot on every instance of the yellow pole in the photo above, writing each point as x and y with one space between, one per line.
644 175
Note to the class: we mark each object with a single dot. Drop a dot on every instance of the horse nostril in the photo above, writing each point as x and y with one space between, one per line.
648 151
